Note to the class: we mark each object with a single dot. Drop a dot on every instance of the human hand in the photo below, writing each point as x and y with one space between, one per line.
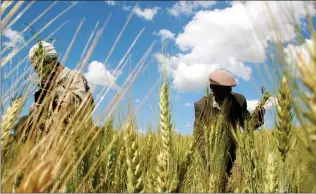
261 113
33 107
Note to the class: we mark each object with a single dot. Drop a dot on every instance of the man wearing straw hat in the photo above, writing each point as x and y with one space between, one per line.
222 98
60 88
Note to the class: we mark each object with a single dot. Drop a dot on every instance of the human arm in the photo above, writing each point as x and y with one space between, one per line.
256 117
260 117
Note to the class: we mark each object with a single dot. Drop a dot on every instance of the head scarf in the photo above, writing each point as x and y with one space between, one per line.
41 55
49 50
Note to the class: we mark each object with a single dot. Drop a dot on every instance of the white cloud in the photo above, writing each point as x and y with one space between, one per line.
126 7
252 104
110 3
186 76
14 38
188 104
137 100
142 132
189 7
226 39
98 75
74 2
189 125
292 52
147 13
165 34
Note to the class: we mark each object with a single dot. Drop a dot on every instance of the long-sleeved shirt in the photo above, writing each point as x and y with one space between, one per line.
72 88
70 92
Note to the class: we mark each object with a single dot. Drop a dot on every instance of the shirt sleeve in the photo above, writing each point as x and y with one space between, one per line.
198 134
248 115
245 108
73 91
197 120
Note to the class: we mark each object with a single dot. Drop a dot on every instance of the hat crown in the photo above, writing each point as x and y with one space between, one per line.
222 78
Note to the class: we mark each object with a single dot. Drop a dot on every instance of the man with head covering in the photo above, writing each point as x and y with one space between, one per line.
60 89
222 99
44 59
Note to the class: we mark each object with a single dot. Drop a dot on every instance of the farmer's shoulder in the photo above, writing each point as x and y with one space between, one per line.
71 77
200 103
80 79
75 75
74 72
239 98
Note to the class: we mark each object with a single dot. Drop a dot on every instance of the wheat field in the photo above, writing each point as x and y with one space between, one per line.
117 158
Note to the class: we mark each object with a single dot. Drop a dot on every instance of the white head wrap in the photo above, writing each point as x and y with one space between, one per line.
49 50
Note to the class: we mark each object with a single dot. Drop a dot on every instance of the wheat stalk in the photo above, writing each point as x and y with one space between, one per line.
148 153
9 118
151 184
207 91
110 170
184 167
164 156
165 117
162 176
249 159
284 118
213 182
271 184
253 123
219 145
284 123
246 145
120 172
308 72
134 171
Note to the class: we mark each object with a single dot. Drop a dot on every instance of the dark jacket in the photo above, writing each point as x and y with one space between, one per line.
236 112
205 114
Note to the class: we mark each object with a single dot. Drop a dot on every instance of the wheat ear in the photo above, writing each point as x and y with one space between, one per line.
284 118
10 117
308 72
40 178
120 172
184 167
271 184
164 156
134 179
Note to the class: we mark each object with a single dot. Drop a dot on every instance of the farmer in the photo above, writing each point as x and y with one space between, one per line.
206 109
59 87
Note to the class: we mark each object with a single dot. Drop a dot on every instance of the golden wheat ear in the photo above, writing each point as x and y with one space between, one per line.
135 182
40 177
284 118
11 116
271 184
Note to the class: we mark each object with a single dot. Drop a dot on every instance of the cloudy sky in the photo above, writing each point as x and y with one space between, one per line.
187 38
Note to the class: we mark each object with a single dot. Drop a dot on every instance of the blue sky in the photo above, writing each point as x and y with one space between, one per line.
201 36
